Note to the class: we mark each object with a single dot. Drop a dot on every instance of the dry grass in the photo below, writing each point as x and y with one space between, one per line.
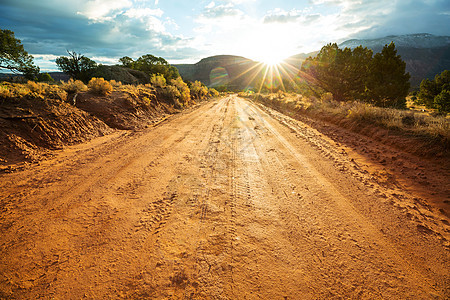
32 89
73 86
408 121
100 86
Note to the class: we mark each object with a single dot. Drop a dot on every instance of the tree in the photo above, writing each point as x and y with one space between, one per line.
44 77
435 93
442 101
127 62
341 72
428 91
357 73
150 65
388 84
77 66
14 57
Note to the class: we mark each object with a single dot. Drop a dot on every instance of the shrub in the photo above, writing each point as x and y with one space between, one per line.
100 86
115 83
213 92
4 91
436 88
158 81
55 92
73 86
171 93
327 97
183 89
35 87
199 90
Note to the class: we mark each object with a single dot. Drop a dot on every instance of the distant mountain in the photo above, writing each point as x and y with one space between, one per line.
297 60
57 76
425 54
418 40
237 72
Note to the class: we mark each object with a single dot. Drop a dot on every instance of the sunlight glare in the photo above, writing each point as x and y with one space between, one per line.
272 60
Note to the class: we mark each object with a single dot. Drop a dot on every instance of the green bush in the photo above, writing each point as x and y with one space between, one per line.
442 101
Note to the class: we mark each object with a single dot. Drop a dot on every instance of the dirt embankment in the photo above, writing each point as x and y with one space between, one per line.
31 126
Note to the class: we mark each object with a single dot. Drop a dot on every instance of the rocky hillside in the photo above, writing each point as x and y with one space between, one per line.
234 71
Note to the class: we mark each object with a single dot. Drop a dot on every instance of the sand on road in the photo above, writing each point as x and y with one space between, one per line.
225 201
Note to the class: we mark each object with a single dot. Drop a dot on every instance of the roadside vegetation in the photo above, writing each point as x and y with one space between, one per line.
435 93
357 74
430 130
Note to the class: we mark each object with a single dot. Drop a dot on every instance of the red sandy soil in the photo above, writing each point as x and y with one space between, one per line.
231 200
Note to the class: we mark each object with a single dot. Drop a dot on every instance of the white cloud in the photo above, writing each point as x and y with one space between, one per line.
143 12
101 10
220 11
281 16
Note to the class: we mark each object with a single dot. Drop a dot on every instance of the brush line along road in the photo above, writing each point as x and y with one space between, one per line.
225 201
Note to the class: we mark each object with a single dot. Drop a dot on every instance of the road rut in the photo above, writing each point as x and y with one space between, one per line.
225 201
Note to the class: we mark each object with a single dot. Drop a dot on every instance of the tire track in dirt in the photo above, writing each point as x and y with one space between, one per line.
336 194
224 202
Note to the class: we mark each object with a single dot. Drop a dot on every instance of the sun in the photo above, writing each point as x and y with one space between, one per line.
271 58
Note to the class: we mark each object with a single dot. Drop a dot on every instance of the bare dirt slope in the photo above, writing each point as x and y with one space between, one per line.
227 201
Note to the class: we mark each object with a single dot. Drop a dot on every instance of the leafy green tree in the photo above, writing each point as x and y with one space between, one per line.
388 84
77 66
357 72
44 77
13 56
435 93
442 101
151 64
428 90
341 72
127 62
322 70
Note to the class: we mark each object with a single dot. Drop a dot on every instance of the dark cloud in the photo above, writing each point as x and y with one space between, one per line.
47 27
414 17
374 19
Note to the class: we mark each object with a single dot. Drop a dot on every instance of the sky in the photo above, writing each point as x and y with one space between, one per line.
187 31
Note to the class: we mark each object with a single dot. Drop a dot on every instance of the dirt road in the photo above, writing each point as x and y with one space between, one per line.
227 201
